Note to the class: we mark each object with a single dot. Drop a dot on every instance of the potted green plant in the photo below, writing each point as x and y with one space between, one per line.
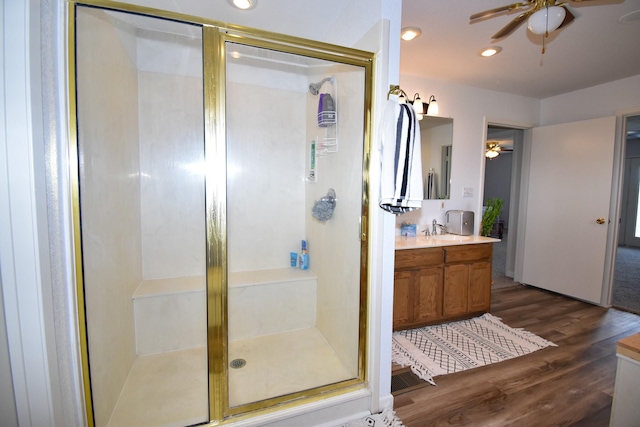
490 215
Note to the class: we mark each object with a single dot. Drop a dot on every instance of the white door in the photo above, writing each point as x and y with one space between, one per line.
567 207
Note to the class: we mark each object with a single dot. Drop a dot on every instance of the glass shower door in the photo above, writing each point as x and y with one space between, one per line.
295 149
220 214
140 153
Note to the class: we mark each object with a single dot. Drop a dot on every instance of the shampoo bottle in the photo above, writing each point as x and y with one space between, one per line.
304 257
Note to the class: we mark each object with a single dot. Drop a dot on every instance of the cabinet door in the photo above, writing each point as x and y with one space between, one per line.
428 299
402 299
479 286
456 286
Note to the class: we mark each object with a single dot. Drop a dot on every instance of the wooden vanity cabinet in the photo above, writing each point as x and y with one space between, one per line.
433 285
417 292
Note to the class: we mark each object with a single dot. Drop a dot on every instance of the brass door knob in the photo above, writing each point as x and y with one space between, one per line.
600 220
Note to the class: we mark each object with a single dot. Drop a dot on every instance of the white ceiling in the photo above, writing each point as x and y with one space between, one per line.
593 49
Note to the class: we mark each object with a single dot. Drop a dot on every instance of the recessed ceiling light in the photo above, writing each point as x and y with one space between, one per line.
410 33
490 51
243 4
630 17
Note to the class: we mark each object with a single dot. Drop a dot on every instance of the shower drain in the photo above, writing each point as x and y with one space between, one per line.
238 363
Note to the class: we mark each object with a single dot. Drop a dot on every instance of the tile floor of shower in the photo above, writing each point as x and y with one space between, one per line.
171 388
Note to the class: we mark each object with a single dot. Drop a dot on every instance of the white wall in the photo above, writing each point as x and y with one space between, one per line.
266 163
471 110
171 176
335 244
594 102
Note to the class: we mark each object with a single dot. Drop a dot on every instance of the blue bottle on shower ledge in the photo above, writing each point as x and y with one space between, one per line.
304 257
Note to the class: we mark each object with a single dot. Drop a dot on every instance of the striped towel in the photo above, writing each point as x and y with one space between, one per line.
401 188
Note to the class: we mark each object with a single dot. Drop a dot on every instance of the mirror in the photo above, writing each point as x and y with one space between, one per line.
436 135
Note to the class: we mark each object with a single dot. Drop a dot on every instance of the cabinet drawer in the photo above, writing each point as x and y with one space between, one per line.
466 253
416 258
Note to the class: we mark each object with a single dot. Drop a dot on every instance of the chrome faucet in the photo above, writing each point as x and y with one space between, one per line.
434 227
443 229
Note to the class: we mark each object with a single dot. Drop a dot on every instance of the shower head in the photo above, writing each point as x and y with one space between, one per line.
314 88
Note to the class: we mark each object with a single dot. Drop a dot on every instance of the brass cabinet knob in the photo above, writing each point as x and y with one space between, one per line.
600 220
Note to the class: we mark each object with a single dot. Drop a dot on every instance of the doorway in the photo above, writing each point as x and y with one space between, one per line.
626 284
502 180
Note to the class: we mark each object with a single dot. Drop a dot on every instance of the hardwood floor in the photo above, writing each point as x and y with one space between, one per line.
568 385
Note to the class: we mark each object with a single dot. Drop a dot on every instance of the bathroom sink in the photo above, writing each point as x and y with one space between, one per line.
452 238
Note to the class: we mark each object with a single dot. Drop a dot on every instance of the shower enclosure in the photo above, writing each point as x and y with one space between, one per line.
199 154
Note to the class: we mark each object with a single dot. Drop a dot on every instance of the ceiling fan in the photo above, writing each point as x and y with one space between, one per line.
494 149
544 16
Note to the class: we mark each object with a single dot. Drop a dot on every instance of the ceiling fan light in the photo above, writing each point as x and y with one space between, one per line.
491 154
547 19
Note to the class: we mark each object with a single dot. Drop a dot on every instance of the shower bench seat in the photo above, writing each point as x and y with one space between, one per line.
264 302
170 314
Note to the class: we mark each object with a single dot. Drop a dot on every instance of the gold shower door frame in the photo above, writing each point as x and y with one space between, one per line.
215 35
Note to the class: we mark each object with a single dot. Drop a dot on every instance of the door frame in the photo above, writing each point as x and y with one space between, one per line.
516 204
616 201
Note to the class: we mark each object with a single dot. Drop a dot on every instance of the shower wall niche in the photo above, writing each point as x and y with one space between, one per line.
173 335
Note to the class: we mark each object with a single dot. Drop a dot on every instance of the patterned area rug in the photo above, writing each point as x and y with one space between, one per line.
386 418
452 347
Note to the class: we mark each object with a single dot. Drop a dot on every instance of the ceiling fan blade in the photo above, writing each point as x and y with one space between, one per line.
511 26
489 13
568 18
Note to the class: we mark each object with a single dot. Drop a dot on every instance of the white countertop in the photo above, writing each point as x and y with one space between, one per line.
443 240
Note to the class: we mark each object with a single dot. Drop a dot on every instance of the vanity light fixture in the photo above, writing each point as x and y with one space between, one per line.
546 20
418 106
424 108
432 106
410 33
490 51
243 4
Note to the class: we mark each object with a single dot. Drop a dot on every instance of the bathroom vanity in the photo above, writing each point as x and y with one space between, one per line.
440 279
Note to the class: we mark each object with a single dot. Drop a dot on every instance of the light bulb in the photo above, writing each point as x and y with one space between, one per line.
432 109
491 154
410 33
243 4
418 106
547 19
